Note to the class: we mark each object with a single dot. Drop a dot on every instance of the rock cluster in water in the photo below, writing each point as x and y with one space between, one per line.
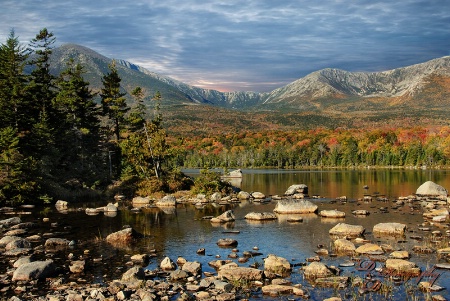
33 273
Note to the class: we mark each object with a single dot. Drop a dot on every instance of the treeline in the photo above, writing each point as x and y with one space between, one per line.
59 139
319 148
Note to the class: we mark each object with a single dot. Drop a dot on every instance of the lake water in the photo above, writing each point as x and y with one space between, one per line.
182 231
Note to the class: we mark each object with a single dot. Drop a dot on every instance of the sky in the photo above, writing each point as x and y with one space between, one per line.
234 45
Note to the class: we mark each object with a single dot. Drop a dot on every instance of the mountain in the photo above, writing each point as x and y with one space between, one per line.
414 95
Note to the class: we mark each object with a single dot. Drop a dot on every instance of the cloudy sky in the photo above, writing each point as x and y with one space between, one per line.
236 45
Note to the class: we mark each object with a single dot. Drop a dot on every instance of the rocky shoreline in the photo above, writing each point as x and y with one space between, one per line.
35 269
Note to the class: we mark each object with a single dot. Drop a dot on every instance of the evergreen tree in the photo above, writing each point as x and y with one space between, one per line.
136 119
13 103
113 100
80 122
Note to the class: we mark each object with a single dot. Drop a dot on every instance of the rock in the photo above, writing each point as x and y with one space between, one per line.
56 243
61 205
92 211
317 270
399 255
121 237
297 188
179 275
360 212
344 246
343 229
192 267
110 208
140 258
243 195
371 249
140 201
167 201
225 217
277 265
225 297
227 242
402 267
258 195
77 267
216 197
430 188
234 273
335 282
223 286
260 216
219 263
295 206
22 260
332 213
6 223
18 244
276 290
167 264
436 212
34 270
133 274
393 229
440 218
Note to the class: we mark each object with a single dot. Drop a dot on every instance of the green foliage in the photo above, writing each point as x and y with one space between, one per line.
113 101
210 182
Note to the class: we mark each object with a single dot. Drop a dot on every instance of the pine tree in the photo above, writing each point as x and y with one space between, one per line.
13 103
80 122
113 100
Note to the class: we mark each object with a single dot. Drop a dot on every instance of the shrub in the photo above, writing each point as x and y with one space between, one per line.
210 182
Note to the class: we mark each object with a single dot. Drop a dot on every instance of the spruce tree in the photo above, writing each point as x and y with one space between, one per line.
80 123
113 101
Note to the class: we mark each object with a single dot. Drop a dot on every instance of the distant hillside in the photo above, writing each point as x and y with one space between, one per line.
413 95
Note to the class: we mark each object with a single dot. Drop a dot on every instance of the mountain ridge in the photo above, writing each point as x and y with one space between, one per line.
337 96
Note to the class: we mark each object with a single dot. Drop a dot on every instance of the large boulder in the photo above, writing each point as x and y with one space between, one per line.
225 217
289 206
430 188
259 216
392 229
243 195
297 188
34 270
346 230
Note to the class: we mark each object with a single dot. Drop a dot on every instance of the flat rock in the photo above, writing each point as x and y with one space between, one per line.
287 206
343 229
402 266
332 213
235 273
227 242
343 245
371 249
393 229
261 216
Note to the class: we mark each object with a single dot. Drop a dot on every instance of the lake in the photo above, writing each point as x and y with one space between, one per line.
182 231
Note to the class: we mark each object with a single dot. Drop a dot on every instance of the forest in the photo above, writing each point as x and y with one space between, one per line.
59 139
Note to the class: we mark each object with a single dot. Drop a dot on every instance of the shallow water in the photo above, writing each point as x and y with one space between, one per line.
182 231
